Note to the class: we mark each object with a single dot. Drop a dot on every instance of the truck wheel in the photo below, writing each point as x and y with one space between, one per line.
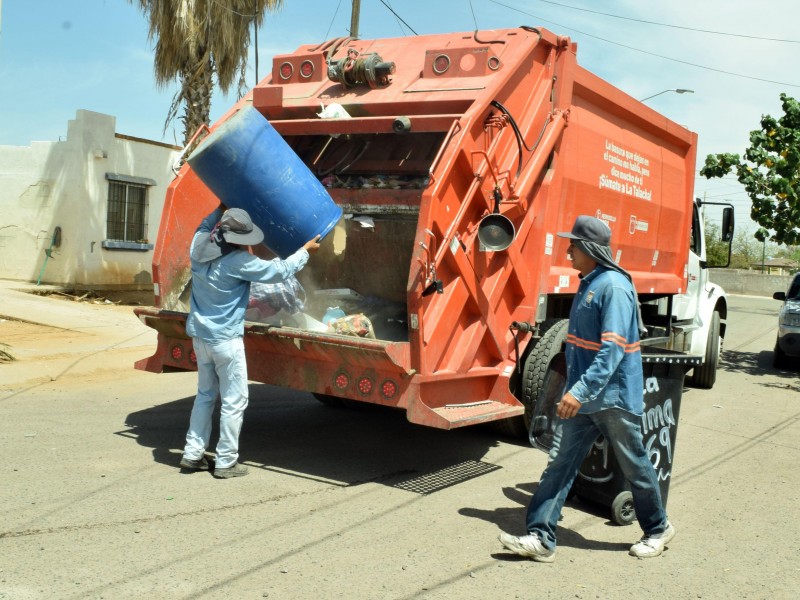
542 382
622 511
706 374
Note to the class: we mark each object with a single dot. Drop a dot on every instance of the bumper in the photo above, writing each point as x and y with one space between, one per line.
789 340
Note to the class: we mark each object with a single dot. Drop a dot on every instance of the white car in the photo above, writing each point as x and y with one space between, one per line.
787 346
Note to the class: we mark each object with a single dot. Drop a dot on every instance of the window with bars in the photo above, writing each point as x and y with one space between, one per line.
126 219
127 212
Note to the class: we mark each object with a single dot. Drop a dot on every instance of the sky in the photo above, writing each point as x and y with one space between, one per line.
738 56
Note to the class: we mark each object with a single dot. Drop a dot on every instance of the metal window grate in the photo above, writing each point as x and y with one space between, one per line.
127 212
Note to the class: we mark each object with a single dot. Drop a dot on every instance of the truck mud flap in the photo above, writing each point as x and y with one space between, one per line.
448 402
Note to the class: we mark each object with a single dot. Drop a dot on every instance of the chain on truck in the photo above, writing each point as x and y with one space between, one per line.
455 159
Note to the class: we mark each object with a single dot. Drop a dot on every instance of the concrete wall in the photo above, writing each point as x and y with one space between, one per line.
63 184
751 283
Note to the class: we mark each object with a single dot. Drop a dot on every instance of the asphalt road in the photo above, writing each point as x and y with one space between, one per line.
343 503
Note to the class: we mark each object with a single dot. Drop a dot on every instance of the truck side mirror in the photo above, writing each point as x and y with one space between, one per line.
727 224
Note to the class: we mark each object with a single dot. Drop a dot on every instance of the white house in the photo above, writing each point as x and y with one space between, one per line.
84 212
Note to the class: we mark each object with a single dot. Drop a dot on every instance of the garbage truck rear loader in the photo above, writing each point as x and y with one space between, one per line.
456 159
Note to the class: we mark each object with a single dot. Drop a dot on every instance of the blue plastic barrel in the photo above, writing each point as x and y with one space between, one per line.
248 165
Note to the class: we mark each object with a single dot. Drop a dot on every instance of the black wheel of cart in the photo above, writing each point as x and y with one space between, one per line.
622 511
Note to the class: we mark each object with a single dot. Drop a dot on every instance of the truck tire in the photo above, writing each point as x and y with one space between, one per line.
543 376
705 375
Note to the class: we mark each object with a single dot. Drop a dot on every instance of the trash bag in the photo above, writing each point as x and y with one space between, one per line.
267 299
357 325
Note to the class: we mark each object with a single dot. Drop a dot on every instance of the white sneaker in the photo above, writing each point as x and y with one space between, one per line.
653 545
529 546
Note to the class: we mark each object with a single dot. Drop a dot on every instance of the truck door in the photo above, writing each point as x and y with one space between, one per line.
686 305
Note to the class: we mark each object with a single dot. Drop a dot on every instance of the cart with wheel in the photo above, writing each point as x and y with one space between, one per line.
600 479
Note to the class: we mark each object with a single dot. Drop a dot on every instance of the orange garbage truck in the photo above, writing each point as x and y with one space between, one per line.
456 158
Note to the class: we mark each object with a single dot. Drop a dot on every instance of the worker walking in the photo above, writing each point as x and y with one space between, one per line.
604 396
222 269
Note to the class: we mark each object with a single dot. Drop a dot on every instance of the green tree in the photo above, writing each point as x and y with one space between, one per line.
769 173
790 252
747 252
196 42
716 249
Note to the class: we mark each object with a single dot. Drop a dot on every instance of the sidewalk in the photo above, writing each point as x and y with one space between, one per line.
52 336
19 300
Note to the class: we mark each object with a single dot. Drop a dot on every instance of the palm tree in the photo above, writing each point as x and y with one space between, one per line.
196 40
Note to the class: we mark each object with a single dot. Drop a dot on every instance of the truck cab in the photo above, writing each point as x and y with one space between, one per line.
699 314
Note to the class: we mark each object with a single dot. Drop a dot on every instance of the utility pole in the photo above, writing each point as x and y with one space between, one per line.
255 35
354 18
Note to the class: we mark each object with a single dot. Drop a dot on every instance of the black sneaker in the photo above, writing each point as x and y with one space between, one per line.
237 470
201 464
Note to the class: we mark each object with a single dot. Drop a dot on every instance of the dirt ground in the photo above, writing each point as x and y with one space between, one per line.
360 504
119 297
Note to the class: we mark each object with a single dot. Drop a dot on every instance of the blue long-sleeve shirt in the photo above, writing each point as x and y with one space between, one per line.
604 359
221 287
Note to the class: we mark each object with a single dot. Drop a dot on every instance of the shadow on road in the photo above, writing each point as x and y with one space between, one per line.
512 520
757 363
292 433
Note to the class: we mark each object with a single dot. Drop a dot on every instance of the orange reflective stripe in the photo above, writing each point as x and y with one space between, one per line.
610 337
581 343
621 341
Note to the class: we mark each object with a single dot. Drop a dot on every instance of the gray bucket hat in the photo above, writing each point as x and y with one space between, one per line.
234 227
238 228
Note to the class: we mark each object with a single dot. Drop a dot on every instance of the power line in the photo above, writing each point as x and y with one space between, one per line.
677 60
473 15
399 17
399 23
741 35
336 12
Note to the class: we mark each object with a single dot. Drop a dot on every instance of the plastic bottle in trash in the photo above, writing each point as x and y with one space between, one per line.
333 313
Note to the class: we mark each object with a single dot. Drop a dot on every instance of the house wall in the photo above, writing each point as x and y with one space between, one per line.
63 184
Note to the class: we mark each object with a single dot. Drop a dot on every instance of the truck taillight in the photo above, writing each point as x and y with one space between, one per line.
365 385
388 389
177 352
286 70
193 357
341 381
306 69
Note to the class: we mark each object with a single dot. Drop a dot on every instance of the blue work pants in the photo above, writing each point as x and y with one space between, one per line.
572 440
